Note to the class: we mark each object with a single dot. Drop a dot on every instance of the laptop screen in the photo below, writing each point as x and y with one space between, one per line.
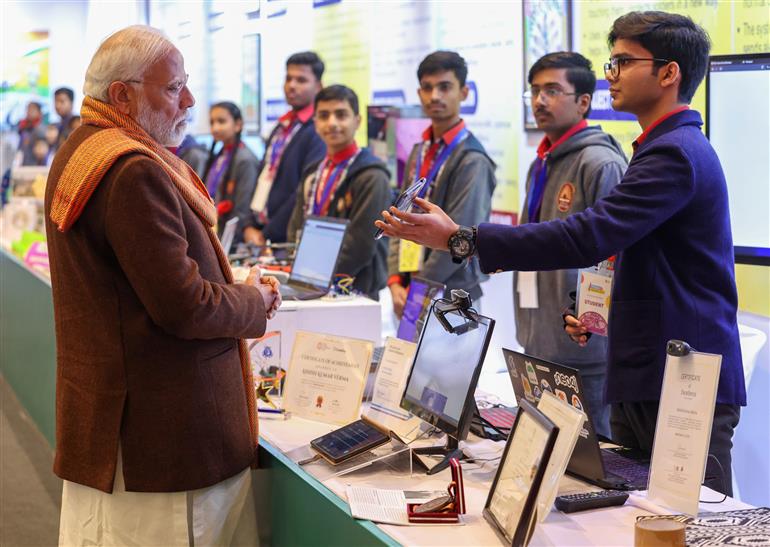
228 234
418 301
317 251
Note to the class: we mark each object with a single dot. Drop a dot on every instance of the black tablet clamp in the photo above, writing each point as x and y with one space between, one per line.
678 348
461 303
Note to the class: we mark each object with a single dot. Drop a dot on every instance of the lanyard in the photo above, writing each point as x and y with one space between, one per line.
438 162
322 195
217 170
539 177
280 142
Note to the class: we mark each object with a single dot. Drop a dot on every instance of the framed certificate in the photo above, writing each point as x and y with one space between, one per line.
326 377
511 506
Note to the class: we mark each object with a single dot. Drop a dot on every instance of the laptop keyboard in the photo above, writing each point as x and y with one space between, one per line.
299 293
635 473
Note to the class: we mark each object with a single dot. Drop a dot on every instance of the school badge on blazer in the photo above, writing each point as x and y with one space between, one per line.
566 196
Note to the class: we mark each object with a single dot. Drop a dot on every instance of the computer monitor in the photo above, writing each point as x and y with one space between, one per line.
422 293
446 367
738 126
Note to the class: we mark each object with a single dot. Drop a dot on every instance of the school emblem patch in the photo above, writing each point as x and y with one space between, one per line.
565 197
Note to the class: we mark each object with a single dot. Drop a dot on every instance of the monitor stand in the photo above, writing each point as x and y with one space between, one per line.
451 450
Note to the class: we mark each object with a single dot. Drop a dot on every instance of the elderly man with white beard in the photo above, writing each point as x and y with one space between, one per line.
156 426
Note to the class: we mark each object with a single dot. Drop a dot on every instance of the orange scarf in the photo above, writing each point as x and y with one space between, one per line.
92 159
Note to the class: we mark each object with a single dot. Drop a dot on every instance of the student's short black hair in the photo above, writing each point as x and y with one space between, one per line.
338 93
579 71
36 105
309 58
66 91
441 61
668 36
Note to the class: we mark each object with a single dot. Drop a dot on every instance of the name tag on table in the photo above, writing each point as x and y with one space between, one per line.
683 430
391 377
410 256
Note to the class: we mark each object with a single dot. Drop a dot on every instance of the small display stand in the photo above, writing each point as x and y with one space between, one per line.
394 456
456 491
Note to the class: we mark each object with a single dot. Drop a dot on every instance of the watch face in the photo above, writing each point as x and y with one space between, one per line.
462 246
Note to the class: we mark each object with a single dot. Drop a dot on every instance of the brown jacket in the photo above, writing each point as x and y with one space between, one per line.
146 330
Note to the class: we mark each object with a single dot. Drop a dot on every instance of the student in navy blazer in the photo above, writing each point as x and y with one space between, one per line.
668 220
292 147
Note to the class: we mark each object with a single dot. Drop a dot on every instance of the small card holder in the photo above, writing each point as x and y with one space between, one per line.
456 490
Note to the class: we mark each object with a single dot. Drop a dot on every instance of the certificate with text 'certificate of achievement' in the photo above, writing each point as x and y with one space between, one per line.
326 377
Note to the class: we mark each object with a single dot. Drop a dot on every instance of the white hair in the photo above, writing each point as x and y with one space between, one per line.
124 55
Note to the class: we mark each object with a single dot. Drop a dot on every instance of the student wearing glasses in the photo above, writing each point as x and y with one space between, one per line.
668 222
576 165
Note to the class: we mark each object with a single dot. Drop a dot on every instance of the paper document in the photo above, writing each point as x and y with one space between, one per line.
683 430
377 505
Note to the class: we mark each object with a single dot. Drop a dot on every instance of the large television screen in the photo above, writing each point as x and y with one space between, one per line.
738 126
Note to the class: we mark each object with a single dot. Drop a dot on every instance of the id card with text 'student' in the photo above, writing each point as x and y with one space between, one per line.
594 292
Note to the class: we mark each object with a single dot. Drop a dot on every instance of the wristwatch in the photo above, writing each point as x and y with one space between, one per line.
462 244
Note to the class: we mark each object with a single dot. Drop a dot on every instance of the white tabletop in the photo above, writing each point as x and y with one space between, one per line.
610 526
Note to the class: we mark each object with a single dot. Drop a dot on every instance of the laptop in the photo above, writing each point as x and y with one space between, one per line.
316 258
419 298
611 468
228 234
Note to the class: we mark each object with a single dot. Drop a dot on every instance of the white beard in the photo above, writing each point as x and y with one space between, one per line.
158 127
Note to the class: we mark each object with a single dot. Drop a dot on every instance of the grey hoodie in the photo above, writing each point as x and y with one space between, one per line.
580 171
463 189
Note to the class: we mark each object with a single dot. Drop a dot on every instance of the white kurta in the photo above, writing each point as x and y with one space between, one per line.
222 514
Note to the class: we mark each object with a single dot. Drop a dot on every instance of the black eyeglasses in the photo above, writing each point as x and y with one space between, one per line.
613 67
548 93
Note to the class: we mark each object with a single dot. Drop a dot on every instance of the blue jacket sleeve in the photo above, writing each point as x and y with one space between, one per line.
275 229
656 186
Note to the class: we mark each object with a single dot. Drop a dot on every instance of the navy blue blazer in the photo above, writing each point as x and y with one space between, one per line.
668 220
304 149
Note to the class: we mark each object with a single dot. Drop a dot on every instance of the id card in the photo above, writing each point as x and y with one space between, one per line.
594 292
410 256
526 286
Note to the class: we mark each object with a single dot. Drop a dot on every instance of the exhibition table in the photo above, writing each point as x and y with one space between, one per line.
27 341
294 506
